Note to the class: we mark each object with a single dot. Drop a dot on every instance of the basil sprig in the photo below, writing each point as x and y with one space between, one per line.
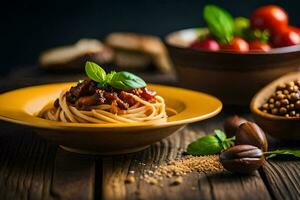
220 23
217 142
95 72
293 152
119 80
210 144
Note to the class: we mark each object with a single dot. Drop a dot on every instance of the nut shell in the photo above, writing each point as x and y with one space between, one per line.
250 133
232 123
243 159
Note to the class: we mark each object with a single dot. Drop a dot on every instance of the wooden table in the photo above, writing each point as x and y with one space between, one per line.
32 168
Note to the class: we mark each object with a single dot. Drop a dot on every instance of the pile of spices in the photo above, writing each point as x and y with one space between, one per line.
180 167
285 101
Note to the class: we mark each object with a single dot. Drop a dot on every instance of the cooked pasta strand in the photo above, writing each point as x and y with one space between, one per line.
142 111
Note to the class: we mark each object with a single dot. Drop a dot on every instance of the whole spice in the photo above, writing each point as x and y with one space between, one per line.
250 133
180 167
232 123
177 181
130 179
285 100
242 159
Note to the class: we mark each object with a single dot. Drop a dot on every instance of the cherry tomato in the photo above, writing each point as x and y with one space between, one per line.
208 44
269 17
285 37
296 29
237 44
256 45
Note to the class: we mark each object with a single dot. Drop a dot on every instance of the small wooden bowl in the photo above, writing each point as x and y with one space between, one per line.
280 127
233 77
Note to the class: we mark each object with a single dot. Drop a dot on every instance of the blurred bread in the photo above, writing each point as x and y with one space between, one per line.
137 50
75 56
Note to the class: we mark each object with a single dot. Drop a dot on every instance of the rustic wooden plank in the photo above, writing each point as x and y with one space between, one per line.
73 176
32 168
283 178
25 168
195 186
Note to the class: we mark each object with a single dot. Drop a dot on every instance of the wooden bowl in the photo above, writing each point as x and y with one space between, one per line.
277 126
233 77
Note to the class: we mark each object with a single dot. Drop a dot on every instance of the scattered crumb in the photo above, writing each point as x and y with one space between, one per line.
152 181
183 166
177 181
130 179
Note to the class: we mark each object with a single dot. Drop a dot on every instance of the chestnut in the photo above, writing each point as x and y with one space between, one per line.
232 123
250 133
243 159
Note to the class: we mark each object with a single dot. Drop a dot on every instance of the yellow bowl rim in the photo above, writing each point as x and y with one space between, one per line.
41 124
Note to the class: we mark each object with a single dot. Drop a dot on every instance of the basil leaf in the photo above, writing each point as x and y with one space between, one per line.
220 23
293 152
125 81
227 144
206 145
261 35
110 75
95 72
220 134
241 26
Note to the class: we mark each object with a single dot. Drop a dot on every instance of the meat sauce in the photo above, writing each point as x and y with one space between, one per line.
87 94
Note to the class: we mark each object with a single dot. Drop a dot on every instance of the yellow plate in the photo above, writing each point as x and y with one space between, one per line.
20 107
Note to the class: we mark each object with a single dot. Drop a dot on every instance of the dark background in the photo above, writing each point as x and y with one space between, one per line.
31 26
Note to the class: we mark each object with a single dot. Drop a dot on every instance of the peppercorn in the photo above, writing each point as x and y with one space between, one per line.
280 96
266 106
282 110
291 106
284 101
281 86
274 111
271 106
292 113
297 104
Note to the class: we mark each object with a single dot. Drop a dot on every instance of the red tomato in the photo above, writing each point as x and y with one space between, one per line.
256 45
296 29
269 17
285 37
237 44
208 44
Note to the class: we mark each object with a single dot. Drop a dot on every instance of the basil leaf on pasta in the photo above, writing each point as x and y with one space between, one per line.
95 72
126 80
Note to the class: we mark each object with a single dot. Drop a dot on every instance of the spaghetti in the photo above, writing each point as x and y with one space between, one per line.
116 97
141 111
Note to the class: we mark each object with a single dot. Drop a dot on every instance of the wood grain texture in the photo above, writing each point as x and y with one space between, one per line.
26 165
32 168
73 176
194 186
282 177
